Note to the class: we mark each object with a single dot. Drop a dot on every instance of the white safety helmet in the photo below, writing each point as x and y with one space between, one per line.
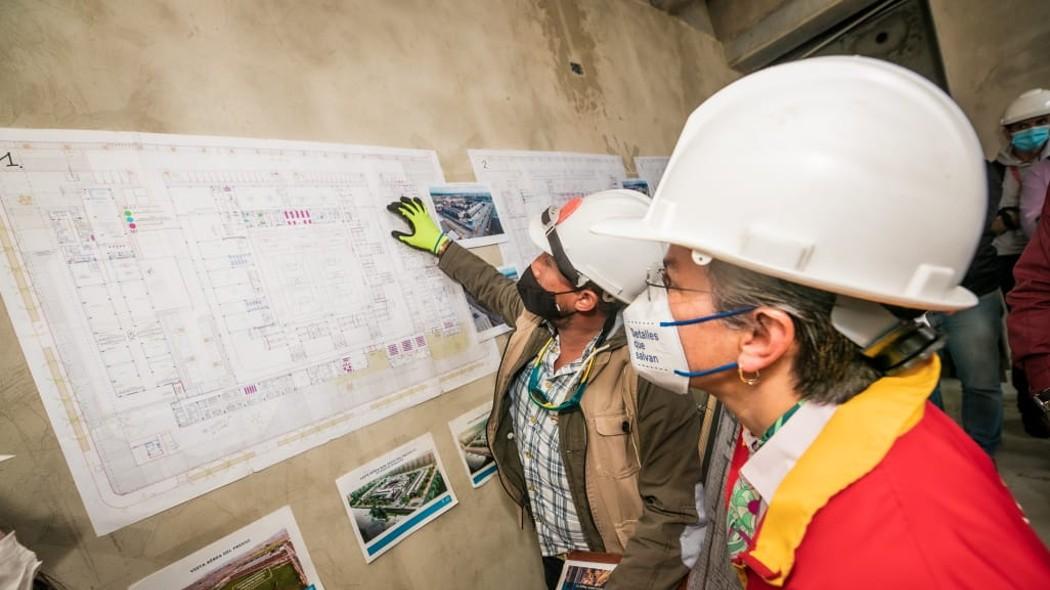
846 174
612 263
1033 103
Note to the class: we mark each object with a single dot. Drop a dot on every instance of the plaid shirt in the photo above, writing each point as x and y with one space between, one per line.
536 430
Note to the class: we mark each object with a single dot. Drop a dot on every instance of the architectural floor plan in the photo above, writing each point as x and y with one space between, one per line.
527 182
194 309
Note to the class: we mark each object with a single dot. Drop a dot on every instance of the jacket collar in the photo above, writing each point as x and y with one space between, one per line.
856 438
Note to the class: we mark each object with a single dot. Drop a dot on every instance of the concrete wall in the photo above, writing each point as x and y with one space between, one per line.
756 32
992 52
443 75
730 18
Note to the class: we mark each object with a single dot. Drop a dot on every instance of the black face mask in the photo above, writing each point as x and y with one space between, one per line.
539 300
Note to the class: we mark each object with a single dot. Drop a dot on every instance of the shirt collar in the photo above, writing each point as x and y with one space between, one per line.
768 466
555 350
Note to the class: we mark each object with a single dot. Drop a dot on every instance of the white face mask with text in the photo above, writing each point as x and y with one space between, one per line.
655 348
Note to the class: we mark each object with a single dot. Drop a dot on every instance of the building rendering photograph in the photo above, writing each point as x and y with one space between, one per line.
391 497
270 565
468 214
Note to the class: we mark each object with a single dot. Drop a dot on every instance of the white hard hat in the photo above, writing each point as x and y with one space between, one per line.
612 263
846 174
1033 103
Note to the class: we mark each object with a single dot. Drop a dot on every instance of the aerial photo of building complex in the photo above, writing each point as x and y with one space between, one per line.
468 214
270 565
386 500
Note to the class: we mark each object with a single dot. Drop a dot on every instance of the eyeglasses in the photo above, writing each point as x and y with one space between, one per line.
658 277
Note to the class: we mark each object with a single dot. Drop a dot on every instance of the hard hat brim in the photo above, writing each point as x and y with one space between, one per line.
956 299
632 229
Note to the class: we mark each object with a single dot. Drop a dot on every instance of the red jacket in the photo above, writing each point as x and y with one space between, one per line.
1029 320
932 513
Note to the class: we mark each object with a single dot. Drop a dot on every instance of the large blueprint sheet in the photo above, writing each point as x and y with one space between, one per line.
194 309
527 182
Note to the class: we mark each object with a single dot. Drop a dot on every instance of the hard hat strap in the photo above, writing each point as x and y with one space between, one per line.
891 339
550 222
909 342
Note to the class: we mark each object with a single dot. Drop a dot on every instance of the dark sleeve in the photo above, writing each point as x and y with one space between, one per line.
669 432
1029 320
982 276
494 291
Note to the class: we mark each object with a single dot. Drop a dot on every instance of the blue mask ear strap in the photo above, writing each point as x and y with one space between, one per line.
708 318
706 372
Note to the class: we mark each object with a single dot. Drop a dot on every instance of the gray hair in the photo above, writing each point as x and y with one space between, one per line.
828 368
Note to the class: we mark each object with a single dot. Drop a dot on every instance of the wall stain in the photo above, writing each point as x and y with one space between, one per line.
564 25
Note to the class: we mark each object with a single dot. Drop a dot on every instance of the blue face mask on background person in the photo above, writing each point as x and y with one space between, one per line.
1031 139
655 348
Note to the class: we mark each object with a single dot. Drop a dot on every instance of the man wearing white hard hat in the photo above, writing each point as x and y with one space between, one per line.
1026 173
585 447
794 292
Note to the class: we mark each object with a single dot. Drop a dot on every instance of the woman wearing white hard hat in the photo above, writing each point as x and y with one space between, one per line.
792 292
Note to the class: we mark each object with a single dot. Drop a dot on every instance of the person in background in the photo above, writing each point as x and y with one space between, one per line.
1028 324
795 297
585 447
1034 190
1026 129
973 335
1026 126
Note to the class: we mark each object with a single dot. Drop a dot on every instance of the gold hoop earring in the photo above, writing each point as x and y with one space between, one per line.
752 381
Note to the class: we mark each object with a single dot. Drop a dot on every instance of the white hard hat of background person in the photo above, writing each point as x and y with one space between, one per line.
1026 122
582 256
849 175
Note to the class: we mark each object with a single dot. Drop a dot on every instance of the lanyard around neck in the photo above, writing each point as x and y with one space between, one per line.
540 399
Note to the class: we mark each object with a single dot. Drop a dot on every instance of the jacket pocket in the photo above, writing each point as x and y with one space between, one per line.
613 449
625 530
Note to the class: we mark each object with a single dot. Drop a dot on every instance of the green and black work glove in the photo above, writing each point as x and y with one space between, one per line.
425 235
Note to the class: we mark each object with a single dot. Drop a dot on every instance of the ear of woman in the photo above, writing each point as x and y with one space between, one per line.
768 337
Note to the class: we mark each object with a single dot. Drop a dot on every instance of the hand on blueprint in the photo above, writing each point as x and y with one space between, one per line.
425 235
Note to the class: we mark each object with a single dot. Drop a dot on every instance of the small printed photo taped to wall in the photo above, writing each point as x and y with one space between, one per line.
469 214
